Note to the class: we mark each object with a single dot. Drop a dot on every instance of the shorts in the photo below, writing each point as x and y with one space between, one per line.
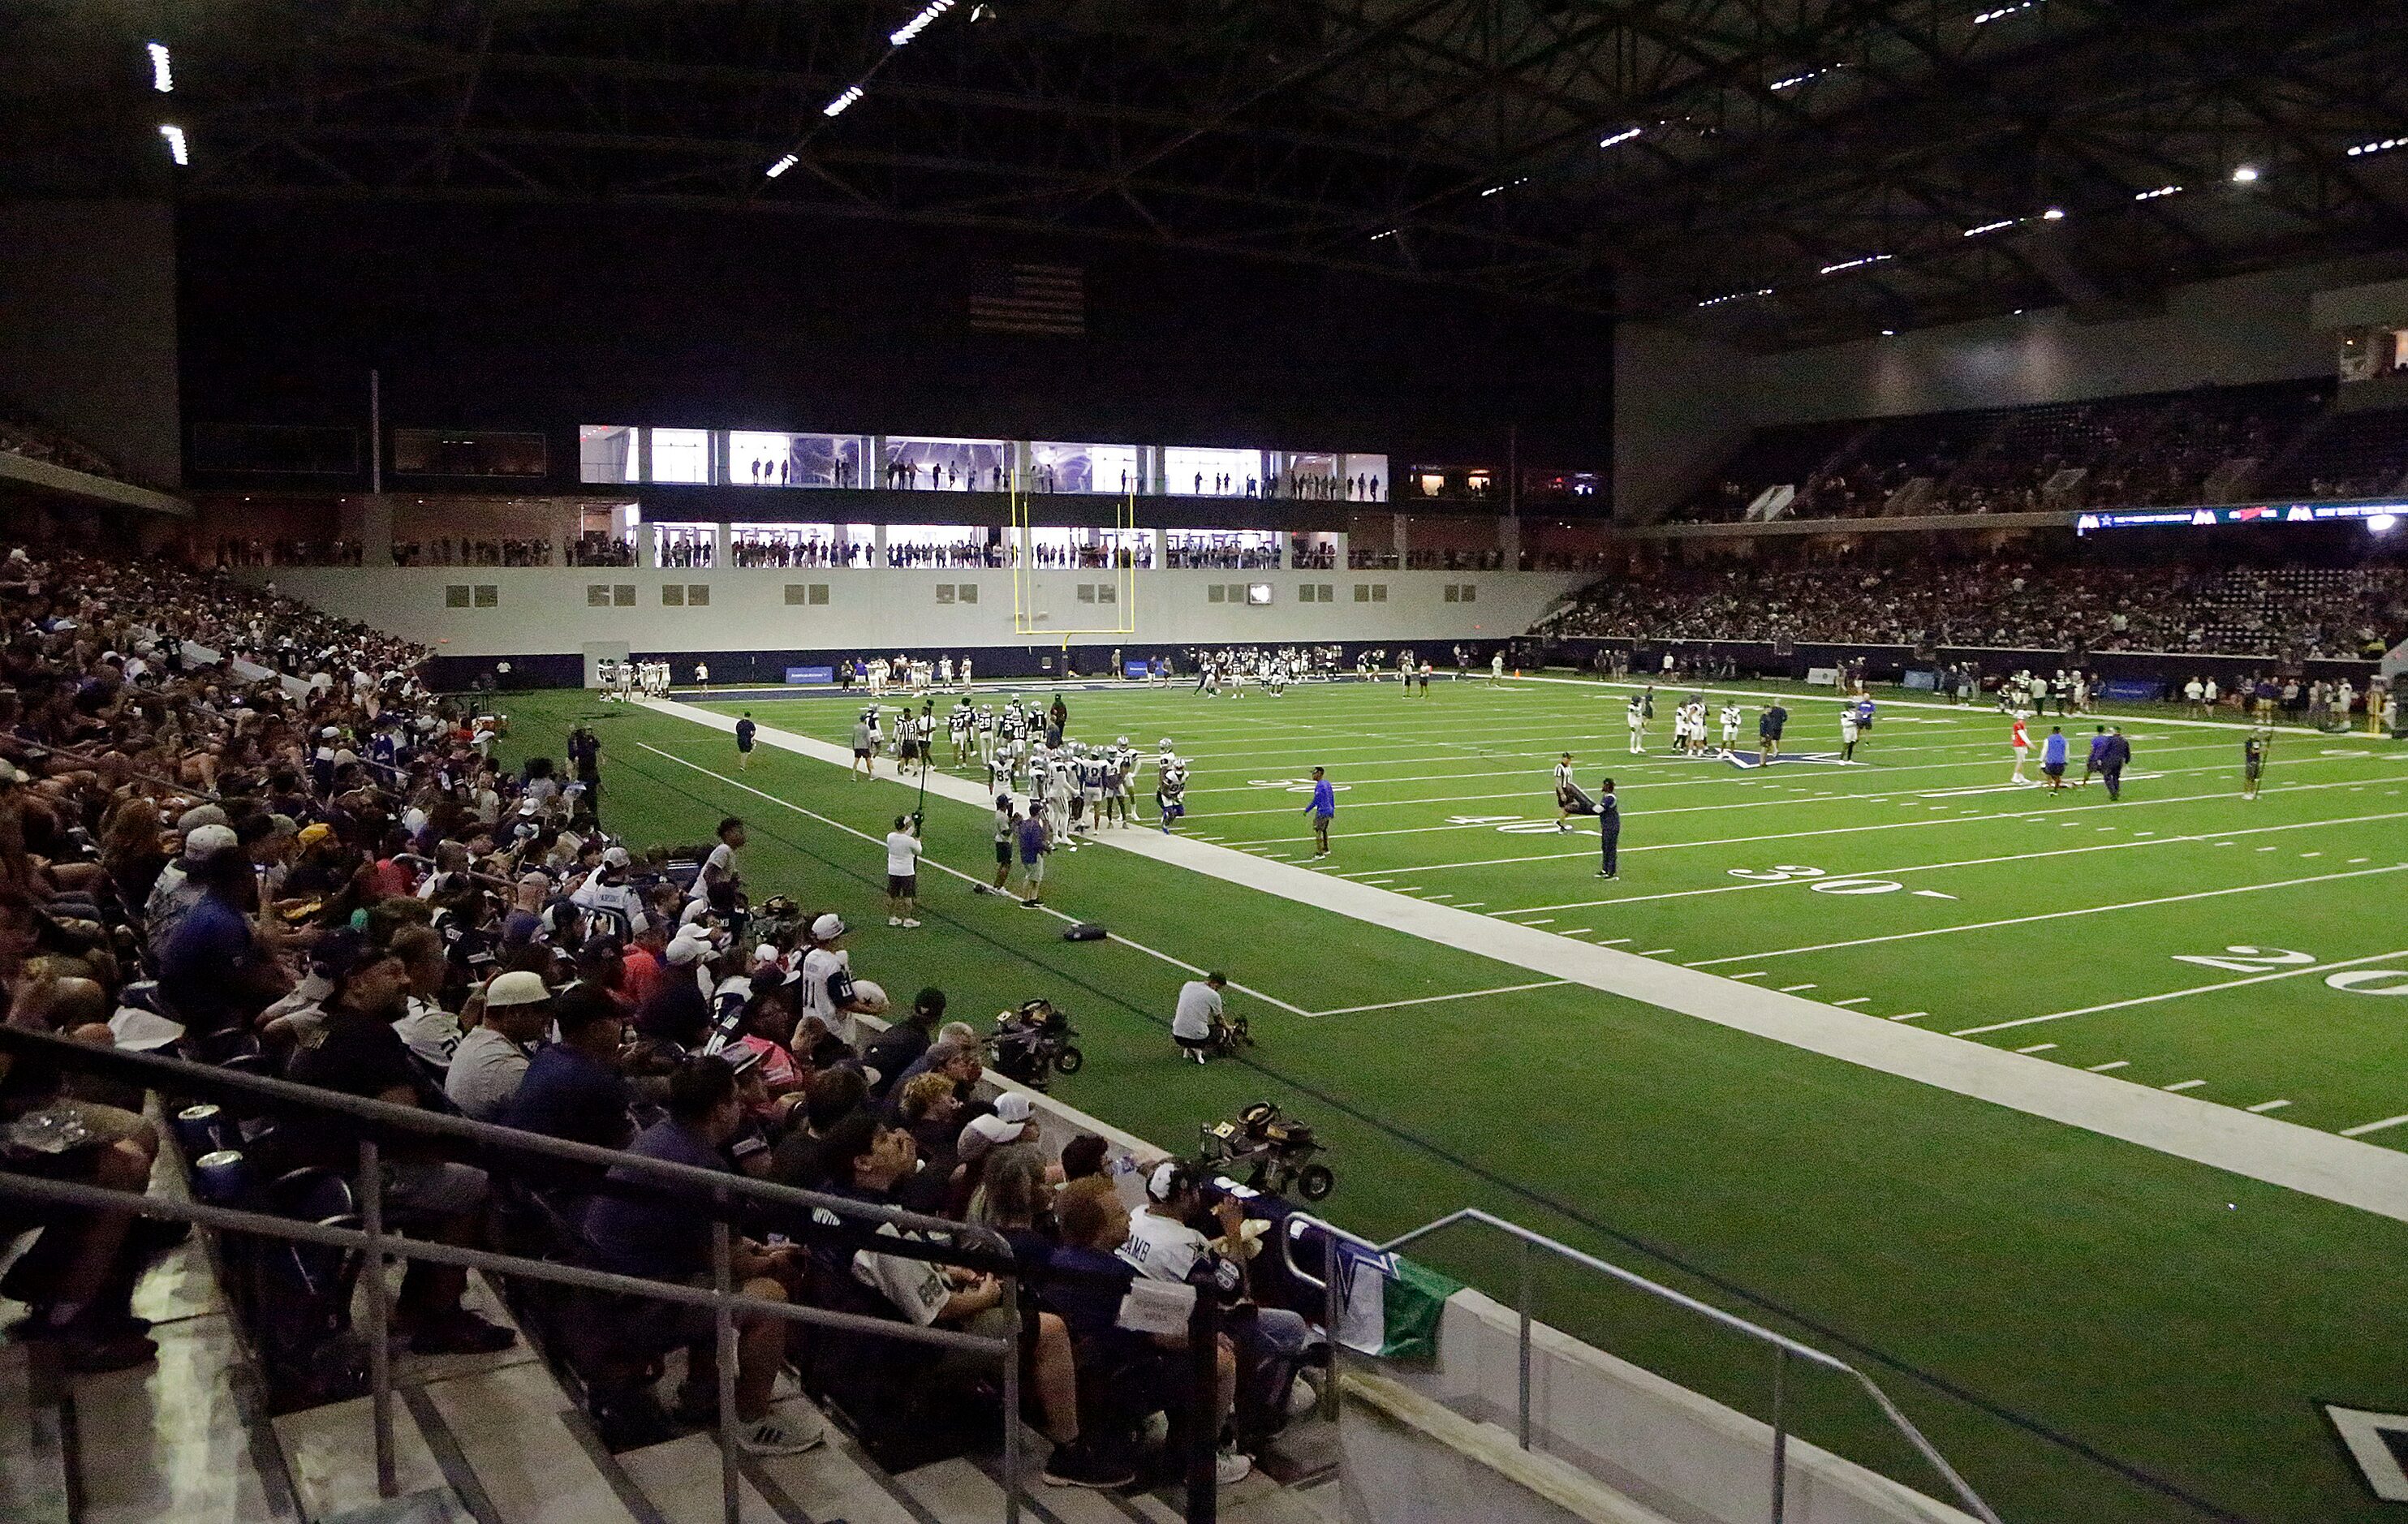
1035 871
745 747
657 1327
860 753
902 886
2052 769
1003 854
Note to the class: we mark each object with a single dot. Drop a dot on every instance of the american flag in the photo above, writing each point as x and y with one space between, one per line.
1029 299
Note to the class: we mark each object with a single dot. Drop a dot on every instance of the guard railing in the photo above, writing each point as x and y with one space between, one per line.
1332 1285
718 1196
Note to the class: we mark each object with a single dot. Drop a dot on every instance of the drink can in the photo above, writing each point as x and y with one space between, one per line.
221 1177
201 1130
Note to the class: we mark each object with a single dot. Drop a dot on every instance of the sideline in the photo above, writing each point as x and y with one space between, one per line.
2258 1145
1965 710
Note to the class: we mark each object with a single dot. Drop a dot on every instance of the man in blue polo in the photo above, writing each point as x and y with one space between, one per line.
2052 757
1323 808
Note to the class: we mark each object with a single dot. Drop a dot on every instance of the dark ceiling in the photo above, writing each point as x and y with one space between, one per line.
1465 142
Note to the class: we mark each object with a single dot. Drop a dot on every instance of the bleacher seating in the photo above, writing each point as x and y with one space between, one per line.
167 796
2351 455
2155 448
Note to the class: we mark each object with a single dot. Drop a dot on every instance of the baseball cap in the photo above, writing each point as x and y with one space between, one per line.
208 841
615 857
1166 1175
984 1134
684 948
829 927
516 987
201 814
1014 1107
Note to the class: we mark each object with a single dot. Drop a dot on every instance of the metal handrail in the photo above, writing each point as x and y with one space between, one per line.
178 1076
1784 1347
707 1189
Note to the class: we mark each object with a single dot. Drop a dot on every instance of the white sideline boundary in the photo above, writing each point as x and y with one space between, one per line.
2258 1145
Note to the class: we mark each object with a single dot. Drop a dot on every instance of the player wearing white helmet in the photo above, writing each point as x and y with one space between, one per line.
1170 790
983 726
957 725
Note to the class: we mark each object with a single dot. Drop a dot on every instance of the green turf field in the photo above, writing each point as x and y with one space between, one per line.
2090 1330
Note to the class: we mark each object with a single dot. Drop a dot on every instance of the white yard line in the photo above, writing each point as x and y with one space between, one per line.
2264 1148
2036 1048
1909 1015
2110 1068
2266 1106
1432 1000
2179 995
1794 835
1855 1000
1967 862
2184 1084
2361 1131
2052 914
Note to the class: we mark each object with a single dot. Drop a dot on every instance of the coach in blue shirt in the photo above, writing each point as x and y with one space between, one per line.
1609 830
2052 757
1323 808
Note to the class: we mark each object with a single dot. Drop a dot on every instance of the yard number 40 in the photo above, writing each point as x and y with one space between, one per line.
2355 981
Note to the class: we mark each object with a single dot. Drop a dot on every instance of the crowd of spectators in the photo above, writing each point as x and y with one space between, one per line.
453 551
22 434
600 548
1189 553
2017 603
236 551
2138 451
315 868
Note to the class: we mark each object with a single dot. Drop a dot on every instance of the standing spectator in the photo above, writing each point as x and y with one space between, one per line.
1323 808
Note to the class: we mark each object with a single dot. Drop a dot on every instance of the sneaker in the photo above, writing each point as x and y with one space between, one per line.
781 1434
894 920
1077 1464
908 923
1029 904
461 1333
98 1354
1230 1468
1304 1394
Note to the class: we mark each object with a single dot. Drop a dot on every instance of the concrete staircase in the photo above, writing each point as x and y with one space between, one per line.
479 1440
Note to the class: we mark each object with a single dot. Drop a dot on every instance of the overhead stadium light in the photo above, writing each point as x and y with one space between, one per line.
2245 175
1992 227
837 106
789 161
2159 193
1984 17
176 150
1385 232
1736 297
1628 133
1496 190
2054 214
163 69
1855 264
903 35
2380 146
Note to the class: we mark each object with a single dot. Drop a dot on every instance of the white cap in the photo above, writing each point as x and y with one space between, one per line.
209 840
829 927
517 987
614 857
1012 1106
685 948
